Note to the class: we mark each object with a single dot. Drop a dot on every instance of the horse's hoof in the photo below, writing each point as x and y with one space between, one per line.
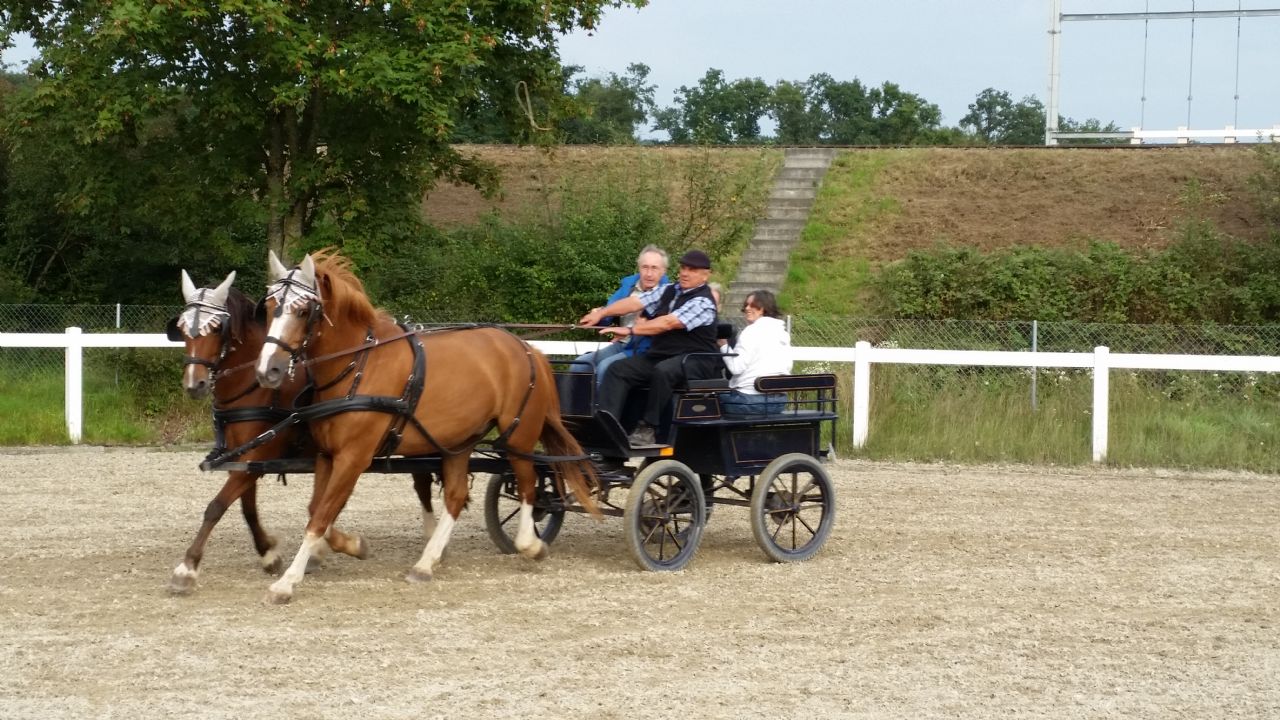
277 597
542 553
362 549
272 564
182 584
417 576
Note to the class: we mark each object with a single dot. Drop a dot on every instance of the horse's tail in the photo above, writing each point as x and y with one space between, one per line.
578 476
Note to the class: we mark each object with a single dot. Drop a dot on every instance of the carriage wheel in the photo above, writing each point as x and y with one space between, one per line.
665 514
502 510
792 508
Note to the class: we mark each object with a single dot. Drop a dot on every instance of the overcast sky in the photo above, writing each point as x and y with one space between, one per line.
948 51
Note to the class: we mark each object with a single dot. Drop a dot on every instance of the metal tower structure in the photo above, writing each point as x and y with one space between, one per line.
1137 135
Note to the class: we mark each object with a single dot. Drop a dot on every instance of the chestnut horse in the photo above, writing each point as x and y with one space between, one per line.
222 341
383 390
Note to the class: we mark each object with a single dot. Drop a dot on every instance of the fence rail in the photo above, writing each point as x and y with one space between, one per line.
862 356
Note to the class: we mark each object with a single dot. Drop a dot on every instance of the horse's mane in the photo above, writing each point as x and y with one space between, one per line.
346 300
241 309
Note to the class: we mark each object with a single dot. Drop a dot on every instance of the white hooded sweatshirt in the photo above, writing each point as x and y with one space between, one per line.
764 348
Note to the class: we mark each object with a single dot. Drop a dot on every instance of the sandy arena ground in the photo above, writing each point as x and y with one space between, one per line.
976 592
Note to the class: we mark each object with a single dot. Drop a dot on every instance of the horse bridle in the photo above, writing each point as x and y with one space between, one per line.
305 294
195 327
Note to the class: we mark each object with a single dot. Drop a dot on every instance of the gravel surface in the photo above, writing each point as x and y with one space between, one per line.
944 591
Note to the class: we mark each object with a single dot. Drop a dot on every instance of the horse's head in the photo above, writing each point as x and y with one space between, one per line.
292 308
204 327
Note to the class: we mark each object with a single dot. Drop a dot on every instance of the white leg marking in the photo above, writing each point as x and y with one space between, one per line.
428 524
436 545
527 541
182 571
282 589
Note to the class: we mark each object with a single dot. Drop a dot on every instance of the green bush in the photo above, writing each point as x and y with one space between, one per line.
1203 277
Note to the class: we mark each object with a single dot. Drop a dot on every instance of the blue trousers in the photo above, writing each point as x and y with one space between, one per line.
740 403
600 360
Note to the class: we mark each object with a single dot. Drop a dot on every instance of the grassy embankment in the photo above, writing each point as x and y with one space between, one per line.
986 415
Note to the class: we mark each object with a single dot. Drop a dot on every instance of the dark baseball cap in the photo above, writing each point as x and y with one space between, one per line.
696 259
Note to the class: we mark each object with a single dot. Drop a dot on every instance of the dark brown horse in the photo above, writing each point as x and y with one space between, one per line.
222 341
383 390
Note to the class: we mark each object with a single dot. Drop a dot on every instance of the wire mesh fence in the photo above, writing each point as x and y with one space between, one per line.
90 318
938 412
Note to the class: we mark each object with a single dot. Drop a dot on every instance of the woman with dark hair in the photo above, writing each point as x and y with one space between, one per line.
763 348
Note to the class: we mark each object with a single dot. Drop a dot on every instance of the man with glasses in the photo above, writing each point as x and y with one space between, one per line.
681 319
651 271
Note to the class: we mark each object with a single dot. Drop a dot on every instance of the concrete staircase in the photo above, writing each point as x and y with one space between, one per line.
764 263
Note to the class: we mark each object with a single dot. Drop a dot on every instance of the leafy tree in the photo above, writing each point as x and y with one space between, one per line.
996 119
1091 125
611 109
318 112
716 111
847 108
903 118
801 120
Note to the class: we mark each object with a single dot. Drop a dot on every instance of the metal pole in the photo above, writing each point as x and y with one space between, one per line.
1055 39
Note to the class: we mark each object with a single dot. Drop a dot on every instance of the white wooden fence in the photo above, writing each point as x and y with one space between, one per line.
862 356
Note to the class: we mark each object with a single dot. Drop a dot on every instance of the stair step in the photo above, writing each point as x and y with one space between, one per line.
806 163
763 266
798 193
766 242
778 251
802 173
777 235
782 224
796 184
795 202
829 153
761 280
786 213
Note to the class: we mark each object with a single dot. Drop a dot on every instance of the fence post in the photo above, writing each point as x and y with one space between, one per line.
73 406
1035 371
861 392
1101 389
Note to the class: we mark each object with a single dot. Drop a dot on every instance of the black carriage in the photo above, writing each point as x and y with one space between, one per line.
770 462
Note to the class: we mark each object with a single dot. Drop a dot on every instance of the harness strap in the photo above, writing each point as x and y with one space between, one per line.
501 440
411 396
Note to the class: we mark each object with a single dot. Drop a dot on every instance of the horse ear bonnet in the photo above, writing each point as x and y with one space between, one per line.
171 330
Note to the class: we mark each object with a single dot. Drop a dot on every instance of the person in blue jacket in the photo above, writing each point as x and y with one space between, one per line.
651 271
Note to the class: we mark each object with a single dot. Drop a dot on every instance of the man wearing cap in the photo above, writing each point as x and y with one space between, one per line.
681 318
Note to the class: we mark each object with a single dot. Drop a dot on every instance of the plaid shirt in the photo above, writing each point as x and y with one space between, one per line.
696 313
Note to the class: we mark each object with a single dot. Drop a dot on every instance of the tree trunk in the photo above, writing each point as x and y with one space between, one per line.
276 165
290 139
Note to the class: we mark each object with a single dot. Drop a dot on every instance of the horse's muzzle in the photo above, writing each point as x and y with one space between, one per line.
271 378
198 389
